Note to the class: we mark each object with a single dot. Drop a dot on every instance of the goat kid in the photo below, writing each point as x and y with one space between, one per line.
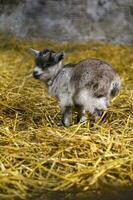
88 85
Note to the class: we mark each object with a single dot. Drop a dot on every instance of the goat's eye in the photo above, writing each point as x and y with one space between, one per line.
40 63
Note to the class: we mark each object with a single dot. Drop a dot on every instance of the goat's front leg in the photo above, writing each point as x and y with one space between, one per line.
66 118
81 114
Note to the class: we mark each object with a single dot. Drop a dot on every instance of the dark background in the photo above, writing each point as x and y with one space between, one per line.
68 20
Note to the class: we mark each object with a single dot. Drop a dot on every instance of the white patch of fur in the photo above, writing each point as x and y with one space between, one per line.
89 102
38 70
65 100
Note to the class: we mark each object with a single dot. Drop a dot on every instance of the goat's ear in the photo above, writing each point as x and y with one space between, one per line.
59 56
34 52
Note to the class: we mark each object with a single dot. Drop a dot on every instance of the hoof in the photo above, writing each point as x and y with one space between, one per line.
66 123
83 119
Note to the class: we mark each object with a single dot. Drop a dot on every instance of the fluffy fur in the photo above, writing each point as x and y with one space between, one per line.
88 85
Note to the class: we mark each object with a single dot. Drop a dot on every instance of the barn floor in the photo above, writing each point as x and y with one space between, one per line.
36 151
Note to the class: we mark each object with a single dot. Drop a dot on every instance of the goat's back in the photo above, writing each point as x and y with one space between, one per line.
96 75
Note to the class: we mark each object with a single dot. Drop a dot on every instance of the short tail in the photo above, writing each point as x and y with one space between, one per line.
115 87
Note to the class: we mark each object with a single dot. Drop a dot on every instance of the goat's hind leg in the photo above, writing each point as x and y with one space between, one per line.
80 116
98 114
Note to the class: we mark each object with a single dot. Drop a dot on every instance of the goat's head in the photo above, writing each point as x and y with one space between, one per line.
47 63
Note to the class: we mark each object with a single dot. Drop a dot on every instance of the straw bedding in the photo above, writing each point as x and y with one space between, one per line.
36 151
